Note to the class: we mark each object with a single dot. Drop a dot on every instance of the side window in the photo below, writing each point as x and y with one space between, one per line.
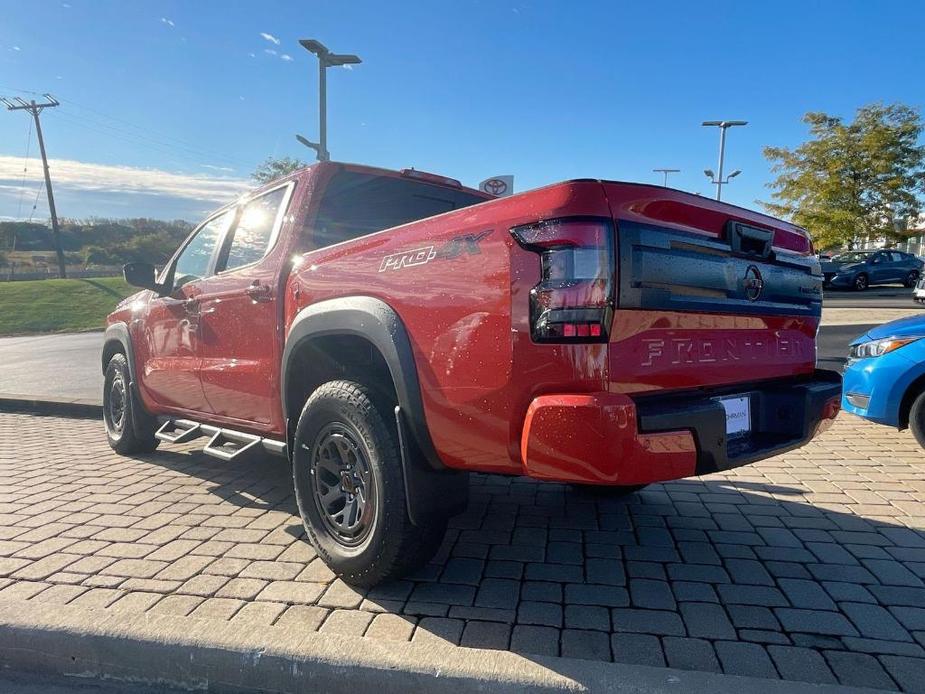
899 257
254 232
193 262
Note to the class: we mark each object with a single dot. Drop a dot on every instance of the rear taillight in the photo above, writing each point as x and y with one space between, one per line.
573 301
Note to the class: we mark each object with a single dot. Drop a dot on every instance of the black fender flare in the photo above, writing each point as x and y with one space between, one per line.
117 339
377 322
117 335
433 491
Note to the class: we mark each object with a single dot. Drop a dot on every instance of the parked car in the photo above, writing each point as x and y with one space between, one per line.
391 331
885 376
918 293
862 269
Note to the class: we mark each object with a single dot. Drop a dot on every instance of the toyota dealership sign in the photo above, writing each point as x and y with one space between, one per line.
499 186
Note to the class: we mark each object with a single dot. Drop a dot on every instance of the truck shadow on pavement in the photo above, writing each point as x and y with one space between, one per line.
718 574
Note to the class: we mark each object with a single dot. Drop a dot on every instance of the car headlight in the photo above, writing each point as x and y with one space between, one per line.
877 348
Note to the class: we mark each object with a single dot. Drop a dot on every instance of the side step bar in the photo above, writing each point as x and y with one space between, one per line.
224 444
178 431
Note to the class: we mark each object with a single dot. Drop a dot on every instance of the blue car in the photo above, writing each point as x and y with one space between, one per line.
885 377
859 270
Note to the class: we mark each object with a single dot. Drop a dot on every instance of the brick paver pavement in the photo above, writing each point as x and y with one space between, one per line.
809 566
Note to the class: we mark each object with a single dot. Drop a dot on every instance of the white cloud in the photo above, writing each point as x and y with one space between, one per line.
87 176
16 48
348 66
269 51
168 22
285 57
269 37
252 55
213 167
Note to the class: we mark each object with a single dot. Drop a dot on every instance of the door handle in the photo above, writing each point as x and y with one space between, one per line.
192 308
259 292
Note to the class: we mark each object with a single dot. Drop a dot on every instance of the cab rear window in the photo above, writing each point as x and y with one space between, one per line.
356 204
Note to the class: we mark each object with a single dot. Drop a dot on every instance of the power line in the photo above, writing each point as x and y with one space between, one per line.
35 109
147 132
138 139
137 132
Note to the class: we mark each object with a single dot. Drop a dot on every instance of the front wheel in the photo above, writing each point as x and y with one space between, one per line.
860 282
917 419
911 279
127 430
349 486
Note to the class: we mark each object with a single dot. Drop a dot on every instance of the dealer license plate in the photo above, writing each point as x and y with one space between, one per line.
738 415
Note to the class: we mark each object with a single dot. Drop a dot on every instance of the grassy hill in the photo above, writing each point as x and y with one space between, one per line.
58 306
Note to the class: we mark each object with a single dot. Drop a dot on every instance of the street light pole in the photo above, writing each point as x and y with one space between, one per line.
666 172
326 59
723 125
325 155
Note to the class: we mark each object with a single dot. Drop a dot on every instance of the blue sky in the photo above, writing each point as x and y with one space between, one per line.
190 96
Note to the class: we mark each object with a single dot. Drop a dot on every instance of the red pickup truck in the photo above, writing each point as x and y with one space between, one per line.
390 332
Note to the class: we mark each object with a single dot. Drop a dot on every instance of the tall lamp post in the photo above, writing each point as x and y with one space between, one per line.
326 59
723 125
665 172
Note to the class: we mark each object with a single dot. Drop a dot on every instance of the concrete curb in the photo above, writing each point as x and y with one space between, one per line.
199 654
81 409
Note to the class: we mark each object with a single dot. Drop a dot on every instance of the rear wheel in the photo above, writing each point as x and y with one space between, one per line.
350 489
917 419
861 282
911 278
127 430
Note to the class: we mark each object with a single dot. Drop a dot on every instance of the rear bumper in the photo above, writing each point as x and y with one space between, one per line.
785 415
609 438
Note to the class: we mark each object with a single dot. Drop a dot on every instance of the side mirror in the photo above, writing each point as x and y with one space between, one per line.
141 275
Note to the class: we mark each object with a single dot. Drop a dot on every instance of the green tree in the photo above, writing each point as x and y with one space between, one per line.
271 169
852 180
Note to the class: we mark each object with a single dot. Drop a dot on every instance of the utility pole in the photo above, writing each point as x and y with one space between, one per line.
18 104
326 59
666 172
723 125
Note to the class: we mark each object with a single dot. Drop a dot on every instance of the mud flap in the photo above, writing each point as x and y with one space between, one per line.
430 494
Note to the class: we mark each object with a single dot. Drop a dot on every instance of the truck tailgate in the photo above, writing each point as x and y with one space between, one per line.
709 295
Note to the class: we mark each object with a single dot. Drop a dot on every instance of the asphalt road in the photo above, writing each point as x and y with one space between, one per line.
67 366
59 366
892 296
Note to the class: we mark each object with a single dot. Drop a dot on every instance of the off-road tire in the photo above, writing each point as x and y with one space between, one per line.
917 419
861 282
911 279
392 546
131 431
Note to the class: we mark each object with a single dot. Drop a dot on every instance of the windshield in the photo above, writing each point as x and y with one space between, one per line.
853 257
357 204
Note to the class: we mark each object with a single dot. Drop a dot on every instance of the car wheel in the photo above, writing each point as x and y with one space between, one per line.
127 430
917 419
350 490
860 282
911 278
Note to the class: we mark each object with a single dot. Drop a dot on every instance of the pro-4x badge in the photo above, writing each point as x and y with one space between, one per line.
465 244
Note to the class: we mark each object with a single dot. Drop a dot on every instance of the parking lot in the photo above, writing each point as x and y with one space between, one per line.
806 567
